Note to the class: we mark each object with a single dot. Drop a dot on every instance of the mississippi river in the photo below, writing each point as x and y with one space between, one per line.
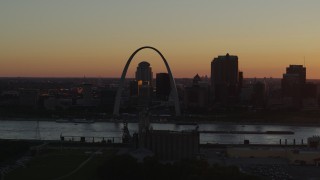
51 130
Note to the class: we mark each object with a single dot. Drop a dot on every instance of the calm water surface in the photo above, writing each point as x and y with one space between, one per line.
50 130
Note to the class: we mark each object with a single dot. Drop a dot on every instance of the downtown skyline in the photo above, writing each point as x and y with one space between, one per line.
95 39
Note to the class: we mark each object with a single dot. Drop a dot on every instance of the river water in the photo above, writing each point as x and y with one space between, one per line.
51 130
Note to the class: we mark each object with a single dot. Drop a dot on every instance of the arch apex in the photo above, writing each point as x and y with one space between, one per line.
124 72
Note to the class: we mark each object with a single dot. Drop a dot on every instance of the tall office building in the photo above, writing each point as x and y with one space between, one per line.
293 84
225 79
299 71
144 72
163 88
293 81
143 83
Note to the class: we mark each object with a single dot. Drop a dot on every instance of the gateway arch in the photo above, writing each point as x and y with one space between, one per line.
123 76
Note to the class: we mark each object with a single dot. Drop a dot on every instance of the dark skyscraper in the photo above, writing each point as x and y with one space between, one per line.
163 86
225 78
144 72
293 83
299 71
143 83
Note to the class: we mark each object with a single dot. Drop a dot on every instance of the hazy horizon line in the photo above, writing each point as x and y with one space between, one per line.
92 77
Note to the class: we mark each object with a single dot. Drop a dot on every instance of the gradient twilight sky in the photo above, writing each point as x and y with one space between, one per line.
59 38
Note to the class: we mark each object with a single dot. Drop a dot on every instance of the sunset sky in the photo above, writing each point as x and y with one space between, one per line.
73 38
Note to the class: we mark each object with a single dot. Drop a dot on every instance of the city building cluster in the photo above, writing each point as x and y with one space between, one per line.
55 97
225 90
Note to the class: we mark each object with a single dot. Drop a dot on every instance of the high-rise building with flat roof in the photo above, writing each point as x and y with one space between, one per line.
297 70
225 78
293 84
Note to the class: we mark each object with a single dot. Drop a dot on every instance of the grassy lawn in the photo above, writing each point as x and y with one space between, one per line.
56 163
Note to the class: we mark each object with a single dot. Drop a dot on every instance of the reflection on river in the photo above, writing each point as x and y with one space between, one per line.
50 130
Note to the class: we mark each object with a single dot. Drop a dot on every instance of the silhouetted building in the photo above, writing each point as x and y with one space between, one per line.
144 79
144 89
292 85
144 72
144 93
166 145
240 80
225 79
163 88
310 90
254 94
299 70
197 95
172 145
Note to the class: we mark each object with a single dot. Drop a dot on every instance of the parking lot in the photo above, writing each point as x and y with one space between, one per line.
269 168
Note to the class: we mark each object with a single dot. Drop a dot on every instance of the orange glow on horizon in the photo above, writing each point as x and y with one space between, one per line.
95 39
